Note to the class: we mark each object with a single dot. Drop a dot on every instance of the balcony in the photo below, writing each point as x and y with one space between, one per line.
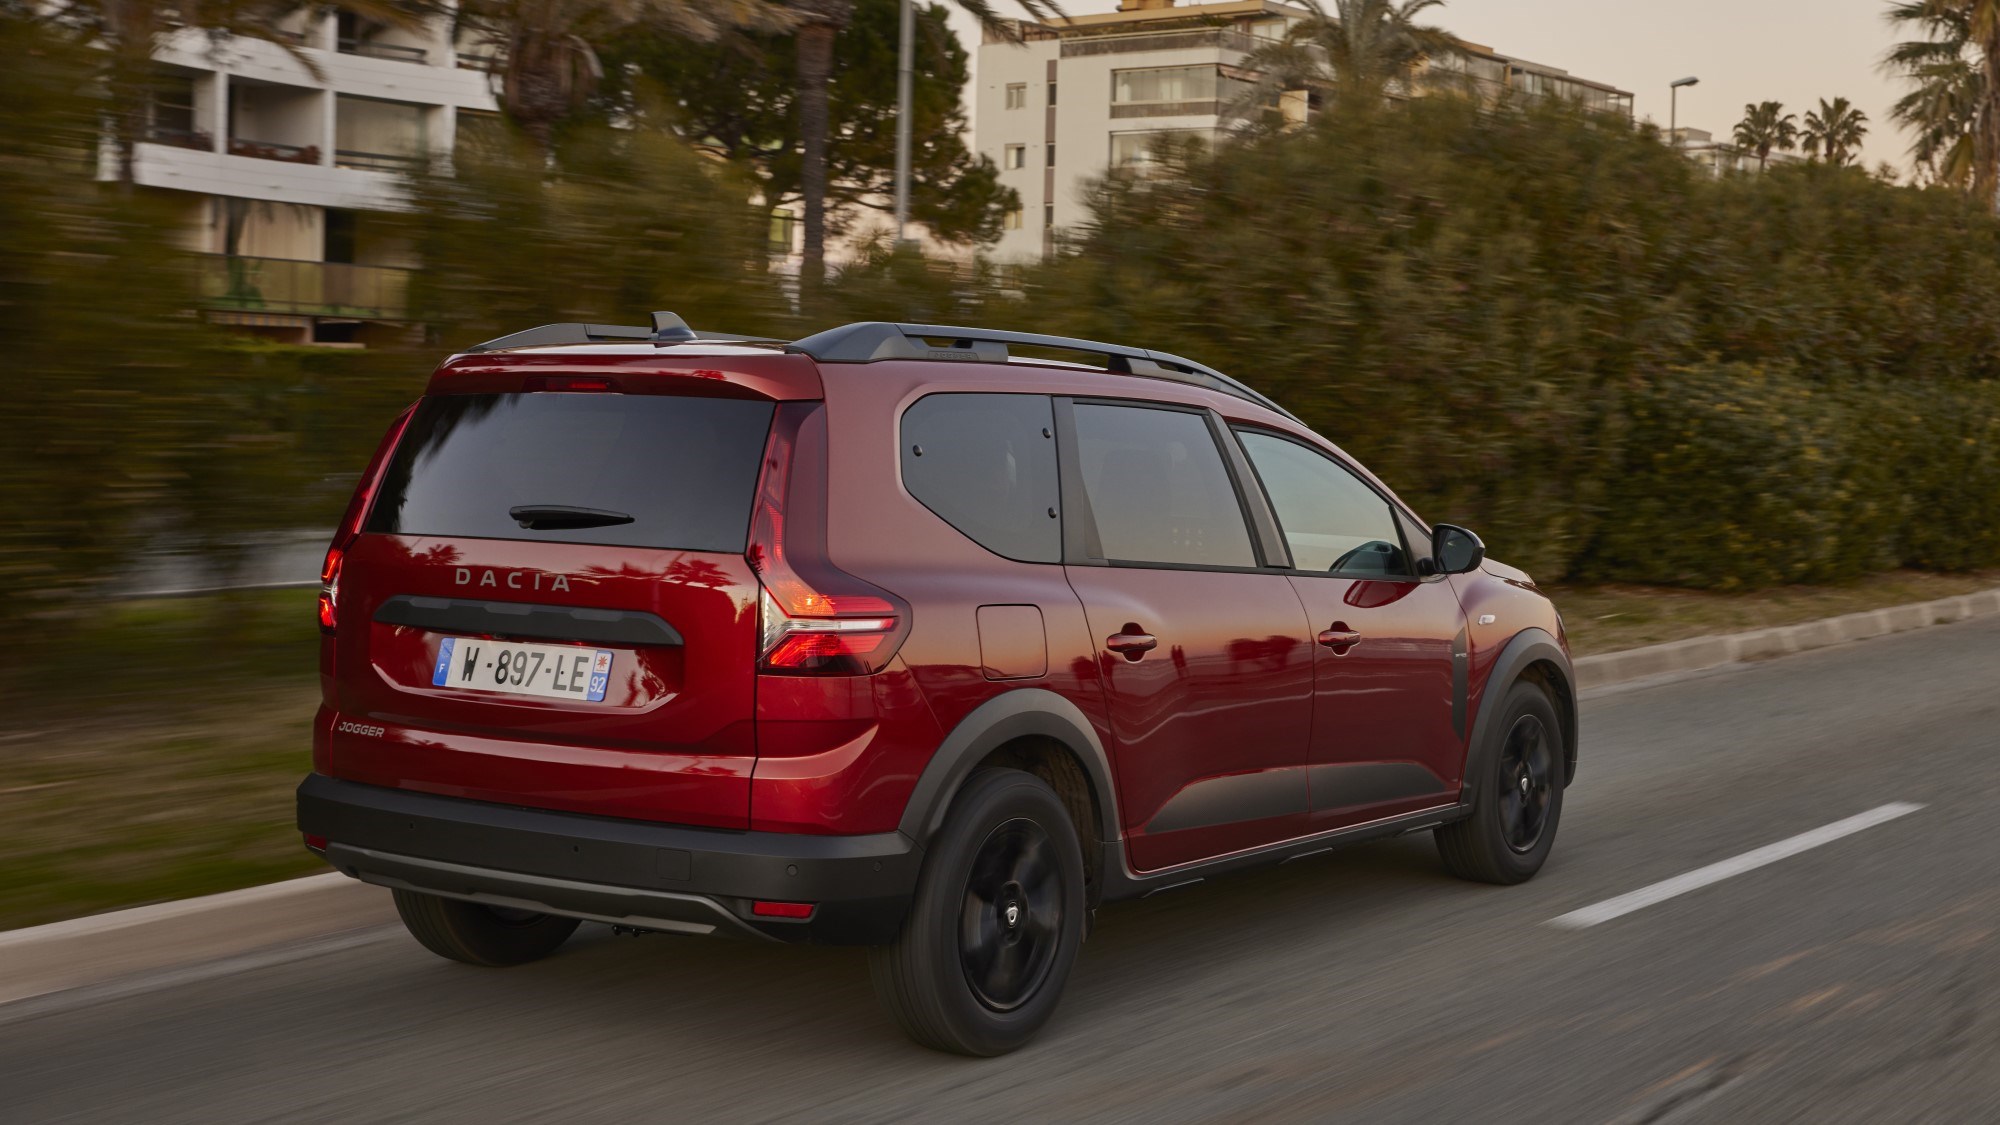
272 150
180 138
282 285
375 49
377 161
1224 39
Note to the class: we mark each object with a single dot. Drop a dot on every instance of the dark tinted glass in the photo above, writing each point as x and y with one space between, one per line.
684 469
987 466
1331 520
1158 489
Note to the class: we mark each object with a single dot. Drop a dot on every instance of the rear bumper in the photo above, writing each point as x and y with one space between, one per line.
626 872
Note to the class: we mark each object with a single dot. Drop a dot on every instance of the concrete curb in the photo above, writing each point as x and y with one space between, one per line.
1701 653
61 956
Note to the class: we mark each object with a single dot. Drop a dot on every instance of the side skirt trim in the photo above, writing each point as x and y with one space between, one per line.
1121 881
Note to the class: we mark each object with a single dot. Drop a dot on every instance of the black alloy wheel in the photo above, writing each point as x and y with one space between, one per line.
1012 917
1527 783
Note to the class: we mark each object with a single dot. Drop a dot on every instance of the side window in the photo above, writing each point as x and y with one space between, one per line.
1331 520
1158 489
986 464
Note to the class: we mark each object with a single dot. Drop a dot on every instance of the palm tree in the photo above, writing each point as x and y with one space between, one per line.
1361 51
548 66
1835 129
131 32
1943 109
819 23
1767 127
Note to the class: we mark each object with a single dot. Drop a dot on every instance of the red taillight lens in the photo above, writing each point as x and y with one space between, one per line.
571 384
329 589
815 620
351 521
765 909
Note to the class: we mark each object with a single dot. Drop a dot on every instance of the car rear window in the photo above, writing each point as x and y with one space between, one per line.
683 469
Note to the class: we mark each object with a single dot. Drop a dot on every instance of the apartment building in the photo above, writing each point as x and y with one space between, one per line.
1719 158
1095 91
284 171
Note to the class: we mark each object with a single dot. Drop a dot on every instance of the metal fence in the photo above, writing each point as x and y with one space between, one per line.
285 285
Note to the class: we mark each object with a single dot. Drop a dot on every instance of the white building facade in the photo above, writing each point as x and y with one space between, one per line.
283 173
1093 92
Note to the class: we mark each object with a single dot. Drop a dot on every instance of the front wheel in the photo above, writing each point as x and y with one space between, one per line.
1517 794
481 935
995 924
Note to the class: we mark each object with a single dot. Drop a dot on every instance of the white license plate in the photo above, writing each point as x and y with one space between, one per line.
512 668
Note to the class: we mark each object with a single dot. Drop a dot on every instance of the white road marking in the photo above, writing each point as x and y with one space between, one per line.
1716 872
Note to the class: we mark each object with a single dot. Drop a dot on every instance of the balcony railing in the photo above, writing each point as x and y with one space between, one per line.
371 49
476 60
180 138
283 285
377 161
272 150
1218 38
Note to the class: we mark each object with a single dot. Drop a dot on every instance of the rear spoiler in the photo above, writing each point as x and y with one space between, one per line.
667 329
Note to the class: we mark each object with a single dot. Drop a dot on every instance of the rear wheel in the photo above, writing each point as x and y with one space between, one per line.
995 924
481 935
1517 789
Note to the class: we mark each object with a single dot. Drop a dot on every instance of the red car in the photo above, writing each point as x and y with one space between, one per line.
896 636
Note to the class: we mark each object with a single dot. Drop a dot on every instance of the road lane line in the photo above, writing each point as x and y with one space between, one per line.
1716 872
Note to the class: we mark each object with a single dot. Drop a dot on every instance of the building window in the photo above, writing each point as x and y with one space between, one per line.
1048 215
1051 161
1163 84
1015 156
1052 93
1012 219
1140 153
378 135
1017 95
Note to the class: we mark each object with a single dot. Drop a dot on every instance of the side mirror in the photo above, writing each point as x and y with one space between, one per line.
1456 549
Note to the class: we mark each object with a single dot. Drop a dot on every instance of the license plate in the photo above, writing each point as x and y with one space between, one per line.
549 671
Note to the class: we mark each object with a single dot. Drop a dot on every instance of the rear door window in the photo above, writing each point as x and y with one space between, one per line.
986 464
682 469
1158 490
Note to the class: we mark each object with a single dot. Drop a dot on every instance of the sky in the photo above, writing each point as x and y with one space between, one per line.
1793 51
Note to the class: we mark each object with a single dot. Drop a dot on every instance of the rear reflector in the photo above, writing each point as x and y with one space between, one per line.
764 909
316 843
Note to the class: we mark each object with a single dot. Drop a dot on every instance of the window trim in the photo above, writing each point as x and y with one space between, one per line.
1397 512
1081 543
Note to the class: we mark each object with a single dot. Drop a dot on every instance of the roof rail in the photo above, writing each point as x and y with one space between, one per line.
667 329
872 340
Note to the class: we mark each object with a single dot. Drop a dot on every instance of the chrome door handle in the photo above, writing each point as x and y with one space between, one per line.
1339 638
1131 645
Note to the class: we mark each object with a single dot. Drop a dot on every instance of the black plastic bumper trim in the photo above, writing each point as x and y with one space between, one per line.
861 885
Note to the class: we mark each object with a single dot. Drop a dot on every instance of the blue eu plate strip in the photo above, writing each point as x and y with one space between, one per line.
444 662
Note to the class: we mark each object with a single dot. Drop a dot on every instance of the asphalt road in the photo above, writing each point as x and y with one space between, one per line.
1858 981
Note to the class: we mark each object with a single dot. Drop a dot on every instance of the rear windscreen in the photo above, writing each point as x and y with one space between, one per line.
682 469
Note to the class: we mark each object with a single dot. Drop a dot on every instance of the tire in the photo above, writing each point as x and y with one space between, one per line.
481 935
961 976
1517 794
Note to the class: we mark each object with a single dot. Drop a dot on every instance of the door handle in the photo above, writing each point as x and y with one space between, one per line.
1131 644
1340 638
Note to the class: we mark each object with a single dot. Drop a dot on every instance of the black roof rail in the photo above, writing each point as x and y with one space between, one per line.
667 329
872 340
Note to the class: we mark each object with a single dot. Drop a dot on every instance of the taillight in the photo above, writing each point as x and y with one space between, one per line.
814 619
350 522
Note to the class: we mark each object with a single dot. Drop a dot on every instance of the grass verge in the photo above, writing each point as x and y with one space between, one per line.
154 756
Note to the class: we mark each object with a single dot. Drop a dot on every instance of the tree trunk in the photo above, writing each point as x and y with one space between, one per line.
1986 138
815 47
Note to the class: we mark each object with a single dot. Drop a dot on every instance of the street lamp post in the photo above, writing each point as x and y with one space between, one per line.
1674 111
906 49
